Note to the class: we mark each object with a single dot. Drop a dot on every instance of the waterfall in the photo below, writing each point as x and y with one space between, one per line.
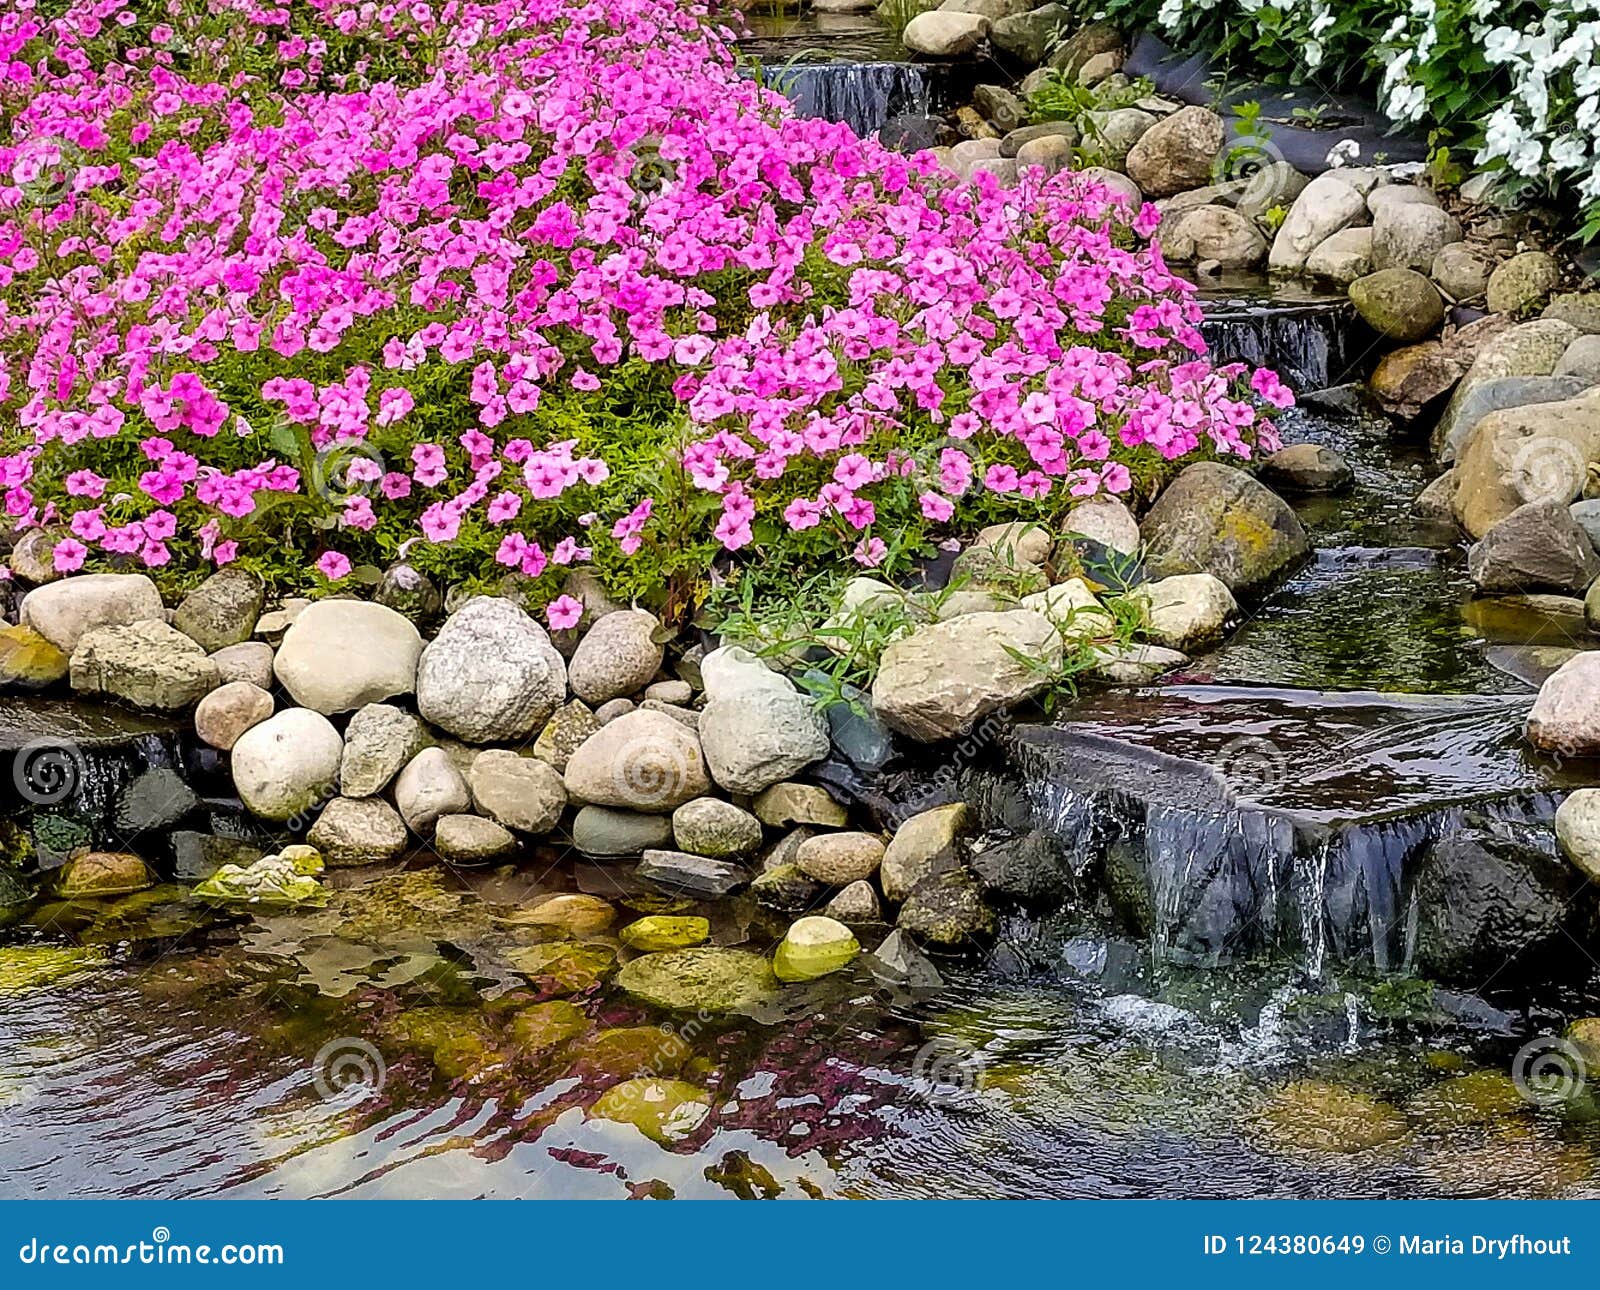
862 95
1308 343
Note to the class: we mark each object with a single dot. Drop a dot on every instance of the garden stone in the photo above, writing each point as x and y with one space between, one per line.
665 932
1109 136
103 873
1408 379
856 733
606 713
566 731
1306 468
1581 360
1398 303
814 946
1437 501
617 657
1029 870
1461 418
1216 519
1328 204
1537 453
1344 257
1134 664
358 830
1185 610
673 693
857 905
642 761
379 740
997 568
1462 270
491 674
222 610
408 591
229 710
1578 309
429 786
522 793
678 871
471 839
1087 43
32 559
924 845
341 654
1177 153
939 34
708 826
1565 717
1399 195
1072 609
1053 154
708 979
790 803
1578 830
1118 183
196 856
1523 283
934 683
1012 141
1272 185
686 717
1217 233
969 152
1408 235
288 765
63 612
999 107
755 739
1527 349
153 801
734 670
28 661
1026 542
251 661
1587 515
786 889
839 859
271 626
1538 547
947 912
604 833
147 664
909 132
1027 36
898 964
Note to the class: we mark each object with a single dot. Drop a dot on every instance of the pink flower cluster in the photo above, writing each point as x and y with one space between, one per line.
213 286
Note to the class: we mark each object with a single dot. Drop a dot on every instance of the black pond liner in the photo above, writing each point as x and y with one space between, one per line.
1188 78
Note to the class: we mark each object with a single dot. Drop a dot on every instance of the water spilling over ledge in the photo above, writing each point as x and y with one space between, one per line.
1360 827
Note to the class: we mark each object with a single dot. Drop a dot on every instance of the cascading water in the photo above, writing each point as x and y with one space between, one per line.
1308 338
862 95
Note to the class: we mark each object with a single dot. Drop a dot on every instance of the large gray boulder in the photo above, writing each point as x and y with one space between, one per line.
522 793
1027 36
1400 304
1461 418
1523 283
147 664
1219 234
1538 547
1326 205
642 761
761 734
63 611
1218 520
617 657
341 654
491 674
1527 349
1177 153
1409 235
939 680
287 766
378 742
222 610
430 786
940 34
1565 718
1537 453
353 831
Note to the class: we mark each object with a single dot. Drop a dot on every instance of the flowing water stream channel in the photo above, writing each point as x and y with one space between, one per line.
1270 993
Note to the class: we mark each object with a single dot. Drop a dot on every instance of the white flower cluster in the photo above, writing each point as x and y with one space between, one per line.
1545 130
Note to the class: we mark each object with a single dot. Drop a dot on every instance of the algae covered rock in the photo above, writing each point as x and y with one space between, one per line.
947 911
546 1026
29 661
1218 520
707 979
563 967
573 912
664 1110
288 878
1313 1115
103 873
24 968
665 932
813 947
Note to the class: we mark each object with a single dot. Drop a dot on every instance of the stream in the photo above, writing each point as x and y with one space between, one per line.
1266 1004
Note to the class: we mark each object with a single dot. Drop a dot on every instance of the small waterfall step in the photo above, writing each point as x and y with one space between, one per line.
1371 828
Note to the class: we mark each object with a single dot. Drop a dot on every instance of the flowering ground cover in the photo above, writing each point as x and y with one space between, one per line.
505 287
